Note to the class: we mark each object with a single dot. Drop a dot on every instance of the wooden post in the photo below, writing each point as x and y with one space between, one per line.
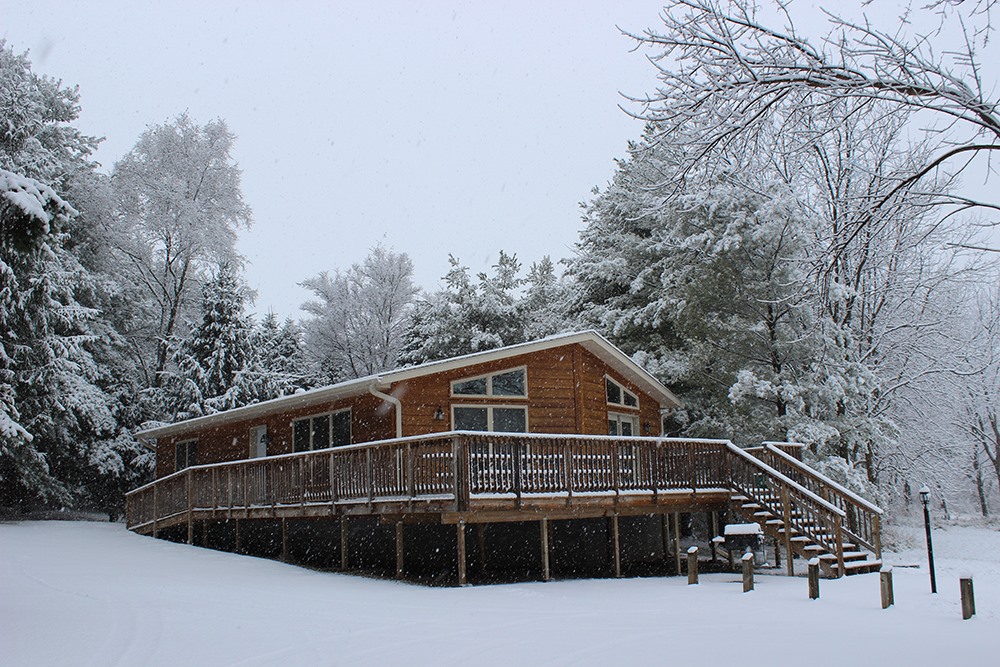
399 549
460 548
715 532
481 545
546 573
968 598
777 552
156 510
786 511
885 587
748 572
190 508
343 543
238 545
814 578
616 546
284 540
692 565
204 533
877 535
677 541
665 535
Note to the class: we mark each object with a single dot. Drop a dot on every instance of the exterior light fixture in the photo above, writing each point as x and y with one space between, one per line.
439 415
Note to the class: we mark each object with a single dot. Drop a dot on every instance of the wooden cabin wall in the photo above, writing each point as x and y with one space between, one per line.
566 394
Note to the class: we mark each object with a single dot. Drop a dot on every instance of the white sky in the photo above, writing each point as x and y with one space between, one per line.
432 127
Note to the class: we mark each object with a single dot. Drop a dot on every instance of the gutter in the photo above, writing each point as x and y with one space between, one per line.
396 403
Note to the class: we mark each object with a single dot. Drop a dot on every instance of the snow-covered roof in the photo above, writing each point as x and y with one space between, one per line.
590 340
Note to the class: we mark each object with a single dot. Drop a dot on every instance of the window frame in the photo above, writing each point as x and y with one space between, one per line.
623 390
489 384
489 407
329 415
619 417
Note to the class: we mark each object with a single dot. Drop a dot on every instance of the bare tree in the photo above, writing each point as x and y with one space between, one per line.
728 79
358 317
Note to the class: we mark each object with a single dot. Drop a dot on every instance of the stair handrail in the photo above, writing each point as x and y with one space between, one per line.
771 447
787 480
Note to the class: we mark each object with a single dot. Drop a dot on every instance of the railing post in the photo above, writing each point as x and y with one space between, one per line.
215 493
568 471
371 476
333 484
614 469
459 448
302 479
190 506
786 511
516 450
691 462
877 535
156 509
411 490
840 545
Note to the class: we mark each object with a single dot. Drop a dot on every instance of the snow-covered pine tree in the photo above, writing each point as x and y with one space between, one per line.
215 362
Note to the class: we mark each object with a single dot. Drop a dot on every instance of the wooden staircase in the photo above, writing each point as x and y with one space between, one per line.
806 513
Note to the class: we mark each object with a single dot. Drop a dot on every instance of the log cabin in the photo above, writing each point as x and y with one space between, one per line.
553 450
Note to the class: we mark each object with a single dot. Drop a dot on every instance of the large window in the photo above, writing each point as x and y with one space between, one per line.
509 384
321 431
619 395
500 418
185 454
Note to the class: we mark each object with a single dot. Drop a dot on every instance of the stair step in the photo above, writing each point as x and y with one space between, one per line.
736 498
763 514
752 506
775 522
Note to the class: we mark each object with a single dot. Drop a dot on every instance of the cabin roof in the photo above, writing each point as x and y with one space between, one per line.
590 340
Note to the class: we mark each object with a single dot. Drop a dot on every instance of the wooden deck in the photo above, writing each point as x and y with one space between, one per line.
477 478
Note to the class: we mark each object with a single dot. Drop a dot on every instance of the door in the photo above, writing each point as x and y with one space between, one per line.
258 441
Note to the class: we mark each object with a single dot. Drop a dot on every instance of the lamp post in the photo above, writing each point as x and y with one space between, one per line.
925 497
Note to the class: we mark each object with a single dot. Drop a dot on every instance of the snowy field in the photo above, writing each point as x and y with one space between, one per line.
77 593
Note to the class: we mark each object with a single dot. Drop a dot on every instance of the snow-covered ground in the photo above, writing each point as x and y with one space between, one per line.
77 593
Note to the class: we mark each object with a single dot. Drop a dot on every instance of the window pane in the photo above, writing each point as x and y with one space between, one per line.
300 435
630 399
321 432
475 387
470 419
180 456
614 392
192 453
612 427
509 384
509 420
626 427
340 428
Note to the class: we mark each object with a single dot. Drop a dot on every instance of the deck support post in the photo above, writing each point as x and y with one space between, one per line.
665 536
714 522
460 551
399 549
677 541
343 543
204 533
284 540
237 536
616 546
546 573
777 552
481 545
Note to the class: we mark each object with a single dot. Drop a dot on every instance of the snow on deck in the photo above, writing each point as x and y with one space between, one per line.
95 594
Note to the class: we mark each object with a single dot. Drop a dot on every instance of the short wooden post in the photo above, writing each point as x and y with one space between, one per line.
814 578
546 573
692 565
343 543
885 587
968 598
284 540
616 546
399 549
748 572
460 549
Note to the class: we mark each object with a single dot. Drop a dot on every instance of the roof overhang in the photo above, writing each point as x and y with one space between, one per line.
589 340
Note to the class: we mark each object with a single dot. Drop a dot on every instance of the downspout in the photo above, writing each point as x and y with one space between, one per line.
397 405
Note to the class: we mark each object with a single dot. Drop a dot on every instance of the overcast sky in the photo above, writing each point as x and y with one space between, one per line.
432 127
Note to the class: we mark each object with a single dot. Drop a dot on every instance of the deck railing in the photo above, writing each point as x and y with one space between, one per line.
862 519
456 468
